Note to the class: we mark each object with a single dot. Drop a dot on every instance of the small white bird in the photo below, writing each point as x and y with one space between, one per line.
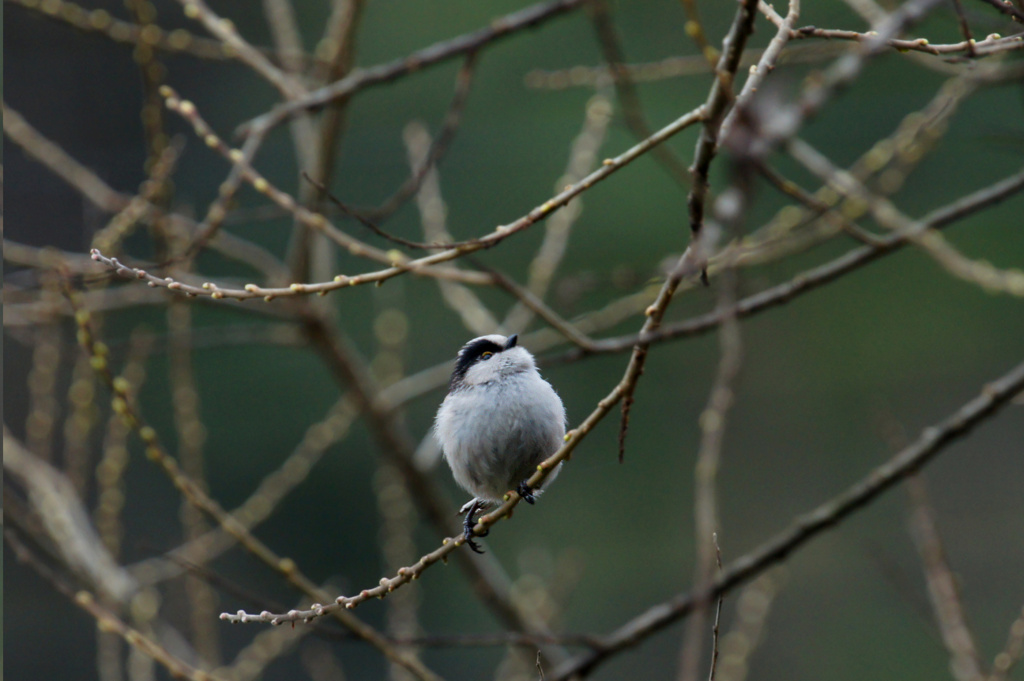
499 420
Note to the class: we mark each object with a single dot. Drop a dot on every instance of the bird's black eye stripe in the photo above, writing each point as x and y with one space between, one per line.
470 354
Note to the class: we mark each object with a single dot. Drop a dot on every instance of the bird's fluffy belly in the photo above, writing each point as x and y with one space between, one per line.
495 444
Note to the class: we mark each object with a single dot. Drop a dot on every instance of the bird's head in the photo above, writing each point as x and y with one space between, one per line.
490 358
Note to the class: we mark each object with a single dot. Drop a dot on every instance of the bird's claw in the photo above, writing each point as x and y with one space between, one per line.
468 525
525 492
473 545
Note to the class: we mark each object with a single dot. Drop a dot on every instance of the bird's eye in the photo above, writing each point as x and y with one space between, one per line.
486 355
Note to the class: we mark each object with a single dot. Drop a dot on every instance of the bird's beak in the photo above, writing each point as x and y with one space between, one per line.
512 340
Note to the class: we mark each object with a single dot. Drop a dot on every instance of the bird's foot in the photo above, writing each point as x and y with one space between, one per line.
525 492
469 523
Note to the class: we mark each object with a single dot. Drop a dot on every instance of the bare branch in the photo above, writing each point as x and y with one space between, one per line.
765 65
582 157
712 115
821 275
124 405
671 67
106 619
1007 8
434 216
629 98
66 521
60 162
978 272
438 148
964 662
241 49
401 266
843 72
931 442
1011 652
436 53
99 21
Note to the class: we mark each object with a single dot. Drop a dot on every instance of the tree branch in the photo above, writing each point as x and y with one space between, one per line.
932 440
428 56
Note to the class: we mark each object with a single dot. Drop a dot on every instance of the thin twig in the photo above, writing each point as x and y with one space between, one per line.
819 207
712 115
434 54
112 467
731 208
43 410
251 662
982 273
218 210
965 28
718 104
225 31
145 204
718 614
79 422
99 21
821 275
992 43
948 609
540 308
317 151
765 65
264 500
106 620
61 163
395 503
370 225
438 148
694 28
402 265
670 67
629 98
1007 8
753 605
1011 652
583 156
843 71
475 315
191 437
280 17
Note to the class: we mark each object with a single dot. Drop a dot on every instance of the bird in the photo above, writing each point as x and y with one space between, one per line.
499 420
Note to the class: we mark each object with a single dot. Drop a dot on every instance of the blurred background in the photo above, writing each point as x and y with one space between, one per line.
831 384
